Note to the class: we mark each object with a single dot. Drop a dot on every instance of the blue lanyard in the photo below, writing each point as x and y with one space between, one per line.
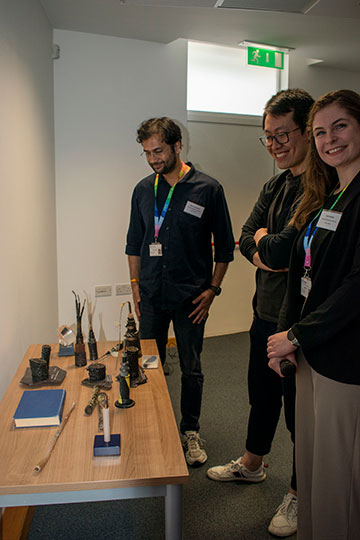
309 238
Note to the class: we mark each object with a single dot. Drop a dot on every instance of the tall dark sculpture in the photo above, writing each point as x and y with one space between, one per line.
80 352
133 352
93 352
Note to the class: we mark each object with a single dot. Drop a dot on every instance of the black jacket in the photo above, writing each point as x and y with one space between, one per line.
273 210
327 324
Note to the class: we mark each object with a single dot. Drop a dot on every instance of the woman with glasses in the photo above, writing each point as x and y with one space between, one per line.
320 323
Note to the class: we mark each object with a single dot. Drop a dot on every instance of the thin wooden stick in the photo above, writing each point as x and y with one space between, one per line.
39 467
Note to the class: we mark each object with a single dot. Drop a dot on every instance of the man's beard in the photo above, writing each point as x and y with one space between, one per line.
169 164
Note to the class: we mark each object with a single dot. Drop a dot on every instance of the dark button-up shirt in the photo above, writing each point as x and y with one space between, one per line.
185 267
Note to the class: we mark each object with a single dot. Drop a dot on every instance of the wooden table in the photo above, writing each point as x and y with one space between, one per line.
151 462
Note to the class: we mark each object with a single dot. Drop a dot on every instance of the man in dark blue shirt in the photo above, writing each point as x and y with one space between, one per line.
176 213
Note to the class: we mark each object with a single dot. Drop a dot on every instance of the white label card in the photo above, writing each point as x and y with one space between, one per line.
329 220
305 286
155 249
194 209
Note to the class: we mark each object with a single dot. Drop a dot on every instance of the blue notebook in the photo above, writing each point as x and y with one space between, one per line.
40 408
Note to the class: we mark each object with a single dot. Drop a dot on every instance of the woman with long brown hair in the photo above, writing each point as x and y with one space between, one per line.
320 324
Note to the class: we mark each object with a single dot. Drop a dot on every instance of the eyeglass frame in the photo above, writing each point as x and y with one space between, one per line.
263 138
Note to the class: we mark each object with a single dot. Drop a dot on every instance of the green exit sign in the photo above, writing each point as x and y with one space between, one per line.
265 58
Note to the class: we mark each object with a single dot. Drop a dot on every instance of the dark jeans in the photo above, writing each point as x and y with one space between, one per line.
154 323
266 390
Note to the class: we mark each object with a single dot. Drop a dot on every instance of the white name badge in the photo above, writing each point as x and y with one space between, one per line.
194 209
305 286
329 220
155 249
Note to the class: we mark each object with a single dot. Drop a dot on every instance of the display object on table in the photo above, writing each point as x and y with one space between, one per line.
92 344
133 353
45 353
38 408
97 376
107 444
41 373
93 401
66 339
41 464
124 401
80 352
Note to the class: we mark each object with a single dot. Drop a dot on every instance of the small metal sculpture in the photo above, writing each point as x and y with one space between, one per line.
97 372
133 352
107 444
132 337
39 369
45 353
80 352
124 401
93 401
91 340
40 373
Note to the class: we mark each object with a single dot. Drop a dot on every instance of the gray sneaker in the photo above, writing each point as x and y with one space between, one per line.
284 522
235 470
193 446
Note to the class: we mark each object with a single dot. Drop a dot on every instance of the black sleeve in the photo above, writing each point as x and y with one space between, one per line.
274 249
136 229
256 220
224 243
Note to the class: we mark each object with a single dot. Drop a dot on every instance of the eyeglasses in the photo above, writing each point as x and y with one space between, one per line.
280 138
157 152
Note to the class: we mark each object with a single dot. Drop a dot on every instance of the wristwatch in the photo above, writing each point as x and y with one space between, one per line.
215 290
292 338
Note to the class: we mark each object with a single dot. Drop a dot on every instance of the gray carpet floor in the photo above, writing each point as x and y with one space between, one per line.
212 510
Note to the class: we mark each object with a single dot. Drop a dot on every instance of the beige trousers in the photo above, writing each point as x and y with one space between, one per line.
327 456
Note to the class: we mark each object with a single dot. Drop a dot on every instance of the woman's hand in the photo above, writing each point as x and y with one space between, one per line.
275 362
279 346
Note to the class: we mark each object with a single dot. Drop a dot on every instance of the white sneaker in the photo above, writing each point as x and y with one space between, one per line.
284 522
235 470
193 446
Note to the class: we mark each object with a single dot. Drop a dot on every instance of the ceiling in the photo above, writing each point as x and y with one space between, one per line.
327 30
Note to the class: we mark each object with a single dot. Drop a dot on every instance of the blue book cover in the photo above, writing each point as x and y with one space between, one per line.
40 408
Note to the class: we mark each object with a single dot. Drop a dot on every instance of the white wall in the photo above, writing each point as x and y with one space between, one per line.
233 154
28 285
104 88
318 79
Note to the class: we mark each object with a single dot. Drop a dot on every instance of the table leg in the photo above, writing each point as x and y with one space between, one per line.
15 523
173 512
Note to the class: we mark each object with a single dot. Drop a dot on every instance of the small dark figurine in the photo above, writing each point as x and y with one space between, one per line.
91 339
133 352
124 401
93 401
39 369
45 353
132 338
80 352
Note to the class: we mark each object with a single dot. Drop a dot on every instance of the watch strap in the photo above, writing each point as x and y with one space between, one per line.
291 337
215 290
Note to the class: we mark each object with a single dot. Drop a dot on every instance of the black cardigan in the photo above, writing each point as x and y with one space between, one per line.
327 325
273 210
